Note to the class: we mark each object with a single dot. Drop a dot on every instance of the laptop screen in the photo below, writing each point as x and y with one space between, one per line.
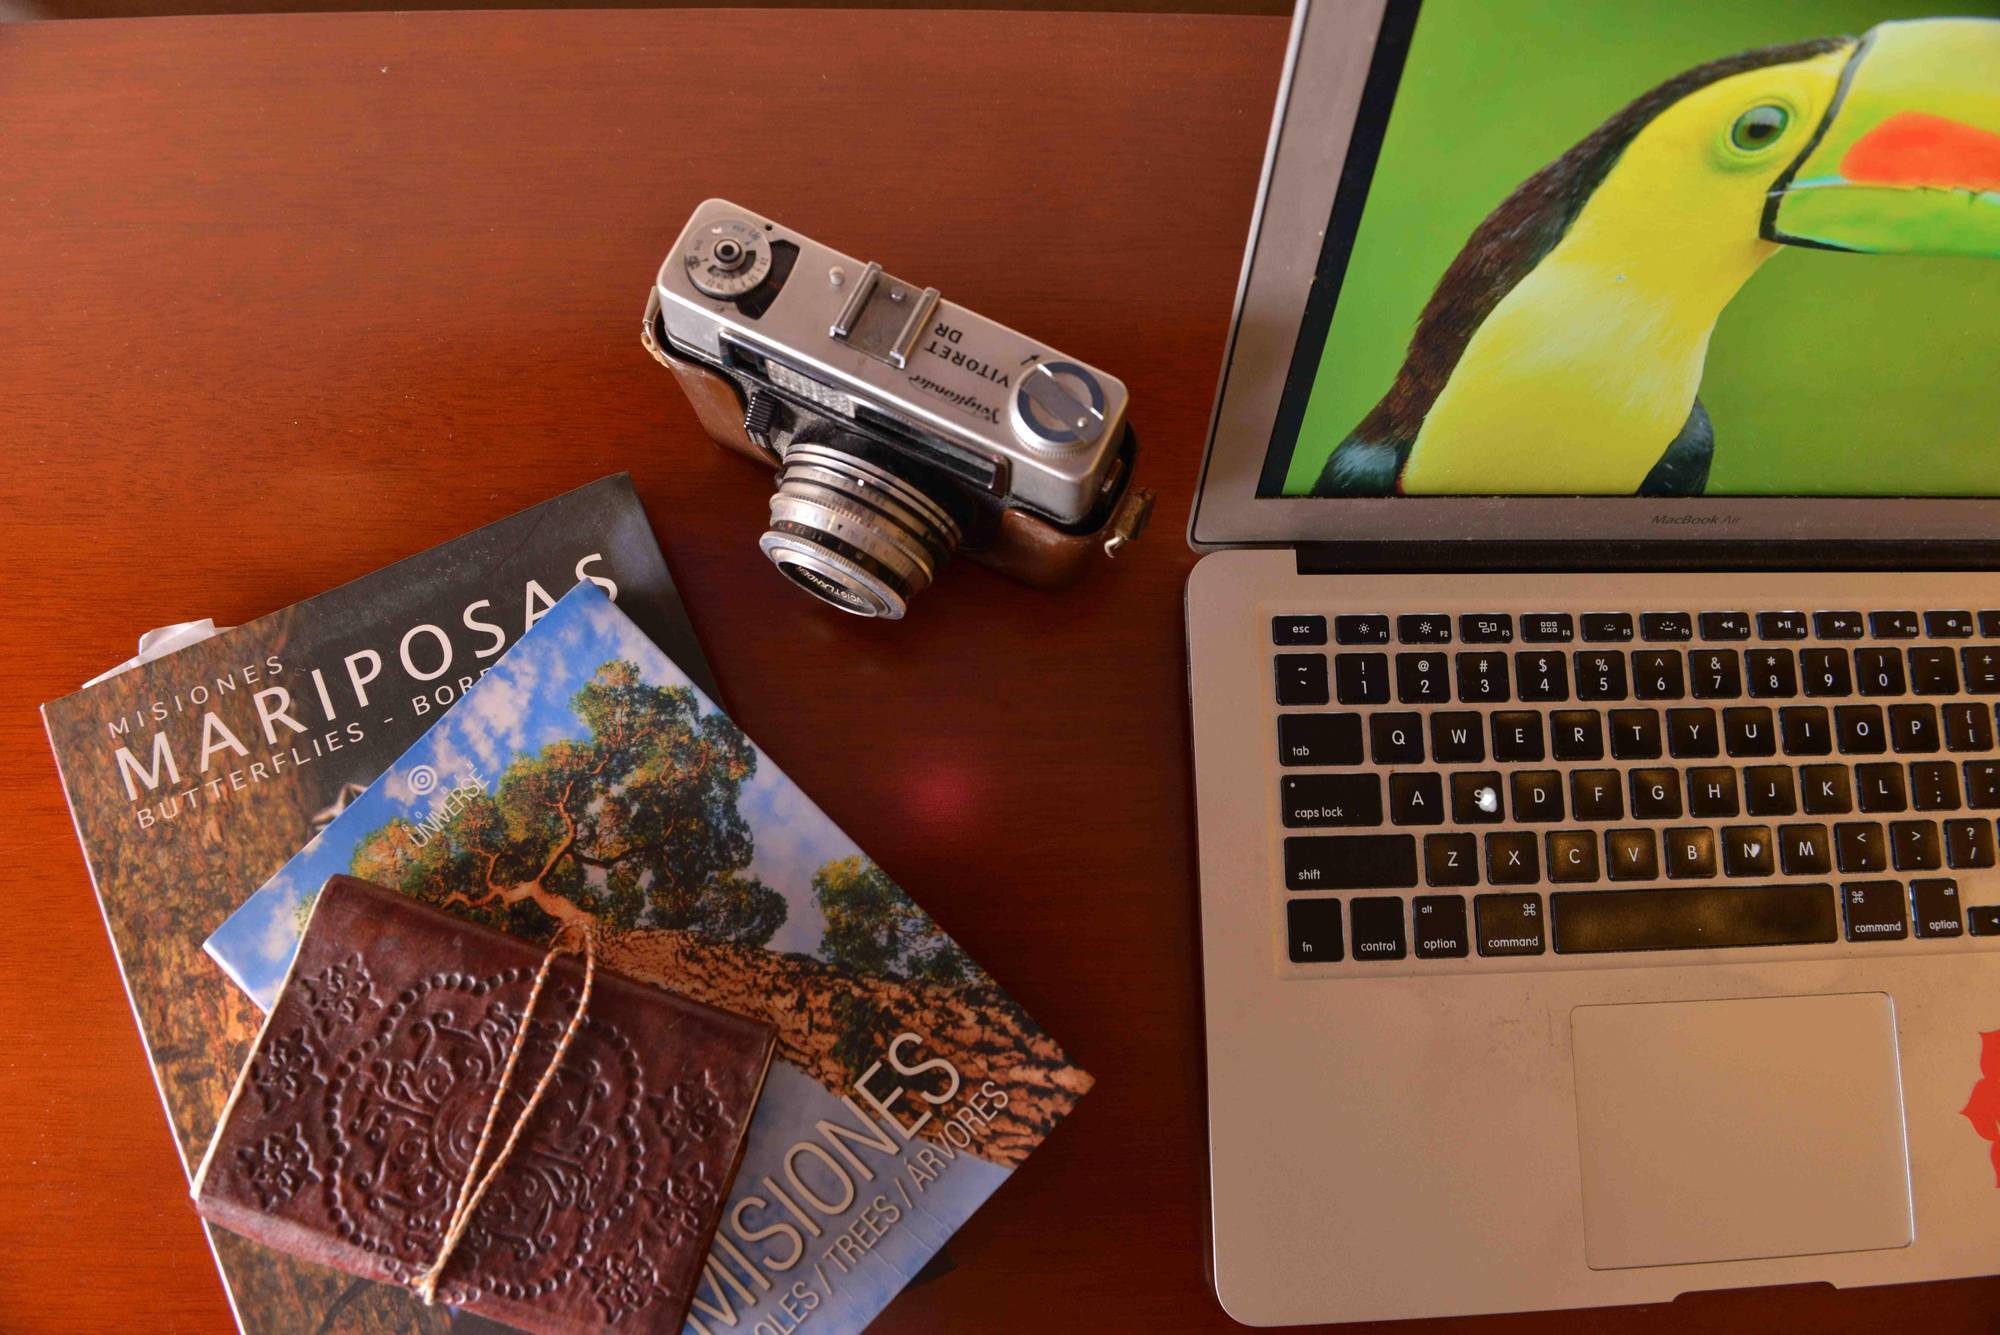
1711 248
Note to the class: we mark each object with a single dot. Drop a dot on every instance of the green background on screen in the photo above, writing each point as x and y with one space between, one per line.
1829 373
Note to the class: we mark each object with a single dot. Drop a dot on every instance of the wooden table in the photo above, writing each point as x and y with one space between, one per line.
283 299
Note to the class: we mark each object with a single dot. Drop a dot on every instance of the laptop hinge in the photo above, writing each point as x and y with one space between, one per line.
1480 555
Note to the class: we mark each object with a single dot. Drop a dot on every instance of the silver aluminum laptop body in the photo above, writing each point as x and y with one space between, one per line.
1426 1137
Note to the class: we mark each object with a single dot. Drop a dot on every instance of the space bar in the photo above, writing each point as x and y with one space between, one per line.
1695 918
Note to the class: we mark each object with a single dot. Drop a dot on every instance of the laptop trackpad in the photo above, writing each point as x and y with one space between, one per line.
1733 1130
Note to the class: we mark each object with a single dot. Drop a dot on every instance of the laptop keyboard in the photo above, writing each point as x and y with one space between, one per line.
1458 786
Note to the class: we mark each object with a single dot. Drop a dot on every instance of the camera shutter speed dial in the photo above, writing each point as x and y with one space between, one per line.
1058 406
728 258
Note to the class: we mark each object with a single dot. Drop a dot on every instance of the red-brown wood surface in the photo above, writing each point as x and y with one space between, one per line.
283 299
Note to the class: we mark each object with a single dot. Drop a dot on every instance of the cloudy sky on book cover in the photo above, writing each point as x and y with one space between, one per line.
586 778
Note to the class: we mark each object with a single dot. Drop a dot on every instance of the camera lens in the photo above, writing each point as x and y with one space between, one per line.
853 534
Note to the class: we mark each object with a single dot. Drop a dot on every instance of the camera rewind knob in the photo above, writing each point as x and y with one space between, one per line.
1058 407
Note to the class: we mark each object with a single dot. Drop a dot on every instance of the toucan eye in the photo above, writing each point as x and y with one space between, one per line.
1759 127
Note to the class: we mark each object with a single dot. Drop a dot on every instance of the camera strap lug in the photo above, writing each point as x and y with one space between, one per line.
1129 520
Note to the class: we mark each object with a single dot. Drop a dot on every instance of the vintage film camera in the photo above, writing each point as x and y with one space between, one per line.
904 427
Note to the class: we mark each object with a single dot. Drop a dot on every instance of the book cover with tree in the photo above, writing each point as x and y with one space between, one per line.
586 780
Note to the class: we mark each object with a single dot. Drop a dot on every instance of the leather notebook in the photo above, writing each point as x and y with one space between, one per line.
351 1127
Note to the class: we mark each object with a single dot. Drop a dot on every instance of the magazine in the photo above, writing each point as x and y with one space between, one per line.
193 777
586 780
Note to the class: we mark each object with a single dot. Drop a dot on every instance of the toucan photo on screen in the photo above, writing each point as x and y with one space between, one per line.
1676 250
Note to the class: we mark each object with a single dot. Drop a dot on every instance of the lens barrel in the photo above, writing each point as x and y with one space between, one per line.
853 534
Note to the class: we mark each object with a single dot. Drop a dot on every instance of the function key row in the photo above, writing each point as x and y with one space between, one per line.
1619 627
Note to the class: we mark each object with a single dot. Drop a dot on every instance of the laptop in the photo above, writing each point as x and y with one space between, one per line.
1594 662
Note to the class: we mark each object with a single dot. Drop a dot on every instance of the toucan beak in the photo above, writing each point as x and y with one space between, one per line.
1907 160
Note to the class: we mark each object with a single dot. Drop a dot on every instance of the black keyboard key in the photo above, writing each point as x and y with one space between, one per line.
1437 927
1351 862
1824 672
1509 924
1968 843
1666 626
1512 859
1475 798
1934 786
1361 630
1607 627
1772 673
1319 739
1298 630
1423 679
1635 734
1693 733
1632 855
1541 677
1913 729
1749 850
1859 729
1306 800
1725 626
1982 784
1893 625
1600 674
1517 736
1803 850
1375 924
1416 799
1934 908
1312 927
1880 788
1828 790
1983 919
1597 794
1301 679
1572 856
1693 918
1768 790
1451 859
1486 628
1859 845
1781 625
1656 674
1948 625
1879 671
1576 734
1538 796
1839 625
1933 670
1458 738
1989 625
1805 730
1968 728
1656 794
1715 674
1361 679
1424 628
1690 853
1982 669
1915 845
1396 739
1712 792
1482 678
1748 731
1548 628
1874 910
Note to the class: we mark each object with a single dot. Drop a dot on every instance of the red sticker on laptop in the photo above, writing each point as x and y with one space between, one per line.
1983 1108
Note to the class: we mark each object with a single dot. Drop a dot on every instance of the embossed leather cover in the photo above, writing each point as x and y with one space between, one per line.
350 1127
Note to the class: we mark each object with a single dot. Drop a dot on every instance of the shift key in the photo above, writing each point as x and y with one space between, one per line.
1351 862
